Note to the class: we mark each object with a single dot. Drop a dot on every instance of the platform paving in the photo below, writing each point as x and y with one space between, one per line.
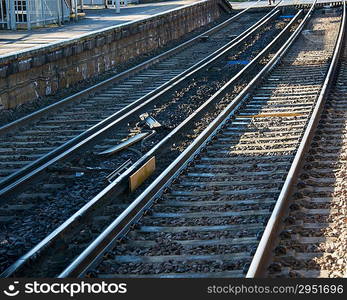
14 41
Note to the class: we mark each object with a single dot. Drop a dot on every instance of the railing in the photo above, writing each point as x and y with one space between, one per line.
113 4
42 12
29 13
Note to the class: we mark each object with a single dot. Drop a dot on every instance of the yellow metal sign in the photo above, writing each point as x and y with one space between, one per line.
142 174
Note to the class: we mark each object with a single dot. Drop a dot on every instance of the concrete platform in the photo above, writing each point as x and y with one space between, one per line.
14 41
43 62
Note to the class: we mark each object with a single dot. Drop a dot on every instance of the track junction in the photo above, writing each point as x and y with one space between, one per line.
230 119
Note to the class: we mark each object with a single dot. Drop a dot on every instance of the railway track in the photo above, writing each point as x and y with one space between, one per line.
30 142
205 214
278 107
61 191
313 240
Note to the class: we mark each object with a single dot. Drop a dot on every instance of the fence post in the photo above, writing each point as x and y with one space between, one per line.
62 11
29 8
58 12
76 10
12 15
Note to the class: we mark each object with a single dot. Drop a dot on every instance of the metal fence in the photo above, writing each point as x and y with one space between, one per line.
106 3
29 13
42 12
4 16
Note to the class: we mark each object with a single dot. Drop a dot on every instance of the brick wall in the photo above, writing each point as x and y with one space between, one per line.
42 72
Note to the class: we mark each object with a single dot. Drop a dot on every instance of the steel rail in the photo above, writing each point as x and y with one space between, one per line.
36 166
116 185
88 91
67 148
137 208
264 251
91 90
